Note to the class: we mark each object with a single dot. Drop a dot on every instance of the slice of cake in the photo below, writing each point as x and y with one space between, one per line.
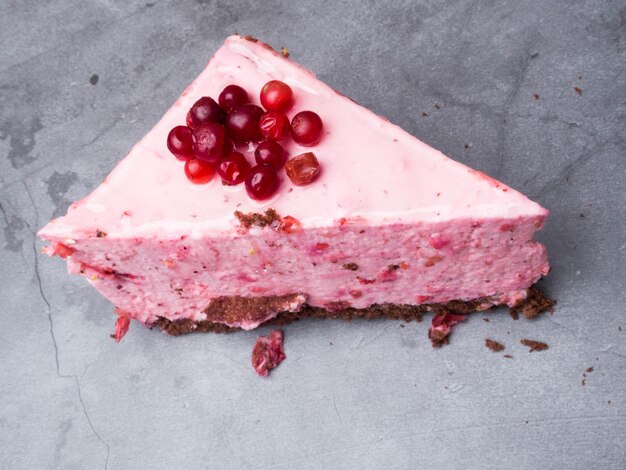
349 216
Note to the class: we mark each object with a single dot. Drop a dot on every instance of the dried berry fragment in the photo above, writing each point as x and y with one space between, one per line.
303 169
289 224
268 352
122 324
441 327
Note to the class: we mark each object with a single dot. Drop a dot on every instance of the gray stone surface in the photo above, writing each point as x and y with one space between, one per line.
80 82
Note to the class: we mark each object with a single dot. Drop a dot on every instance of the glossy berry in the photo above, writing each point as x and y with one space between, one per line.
205 110
242 123
306 128
262 182
276 96
232 96
274 126
208 142
228 146
198 171
303 169
233 169
270 153
180 142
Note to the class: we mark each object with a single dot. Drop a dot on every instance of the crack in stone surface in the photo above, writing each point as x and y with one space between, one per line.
51 327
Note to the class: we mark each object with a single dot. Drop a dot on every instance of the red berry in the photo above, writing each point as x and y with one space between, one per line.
242 123
303 169
231 96
262 182
208 142
274 126
198 171
276 96
228 146
270 153
233 169
306 128
180 142
205 110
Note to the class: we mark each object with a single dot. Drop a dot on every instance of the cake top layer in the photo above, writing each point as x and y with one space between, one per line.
372 169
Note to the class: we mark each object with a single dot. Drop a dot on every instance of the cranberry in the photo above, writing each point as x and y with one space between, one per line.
233 95
276 96
205 110
233 169
274 126
262 182
228 146
208 142
270 153
198 171
180 143
306 128
303 169
242 123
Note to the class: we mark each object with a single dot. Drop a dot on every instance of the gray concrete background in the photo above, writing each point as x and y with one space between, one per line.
81 82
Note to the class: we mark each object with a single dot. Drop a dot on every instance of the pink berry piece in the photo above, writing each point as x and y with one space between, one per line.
122 324
276 96
303 169
306 128
205 110
208 142
231 96
268 352
180 142
441 327
262 182
242 123
270 153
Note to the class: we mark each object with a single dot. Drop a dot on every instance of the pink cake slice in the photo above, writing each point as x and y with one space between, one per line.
391 225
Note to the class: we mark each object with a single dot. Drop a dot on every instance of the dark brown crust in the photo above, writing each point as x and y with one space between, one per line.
257 219
234 306
536 302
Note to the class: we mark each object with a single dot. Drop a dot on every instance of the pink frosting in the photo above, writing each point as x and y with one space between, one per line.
420 227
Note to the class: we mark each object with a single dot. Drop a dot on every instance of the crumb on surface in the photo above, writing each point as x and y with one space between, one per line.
534 345
257 219
508 356
578 90
494 345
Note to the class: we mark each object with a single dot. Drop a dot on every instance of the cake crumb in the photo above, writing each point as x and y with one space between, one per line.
284 52
494 345
350 266
441 327
425 114
268 352
508 356
100 234
589 370
437 106
534 345
466 146
486 320
535 303
536 96
578 90
619 328
257 219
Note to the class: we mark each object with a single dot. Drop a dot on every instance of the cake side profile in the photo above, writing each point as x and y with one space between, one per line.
390 227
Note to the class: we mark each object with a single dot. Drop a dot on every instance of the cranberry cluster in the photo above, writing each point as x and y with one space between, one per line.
208 143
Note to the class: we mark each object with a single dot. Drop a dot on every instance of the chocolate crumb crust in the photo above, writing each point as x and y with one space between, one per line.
494 345
238 306
234 309
257 219
536 302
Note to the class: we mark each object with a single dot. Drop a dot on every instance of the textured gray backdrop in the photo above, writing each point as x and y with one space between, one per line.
80 82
